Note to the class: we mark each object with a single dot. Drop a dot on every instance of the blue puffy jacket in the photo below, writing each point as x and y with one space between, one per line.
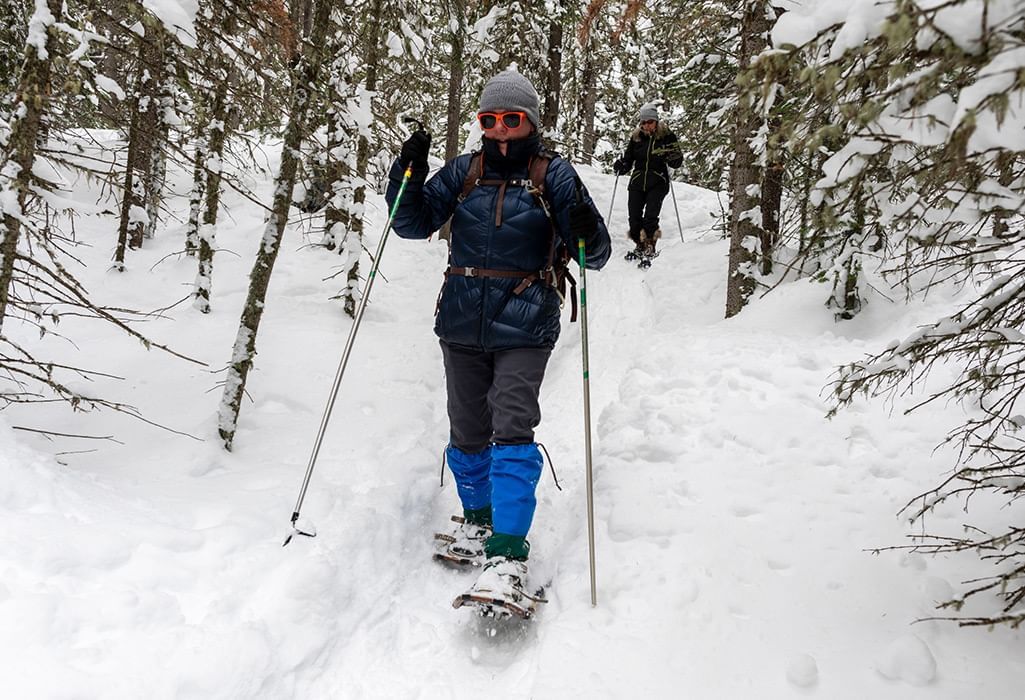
483 312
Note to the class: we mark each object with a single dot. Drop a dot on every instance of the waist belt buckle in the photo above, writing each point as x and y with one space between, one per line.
470 272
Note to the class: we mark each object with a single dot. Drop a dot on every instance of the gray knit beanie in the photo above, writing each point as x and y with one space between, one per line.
648 111
510 92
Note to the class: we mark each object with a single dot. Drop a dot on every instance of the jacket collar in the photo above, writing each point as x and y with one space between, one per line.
517 156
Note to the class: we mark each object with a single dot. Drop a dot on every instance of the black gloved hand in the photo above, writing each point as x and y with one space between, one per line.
415 149
583 222
620 167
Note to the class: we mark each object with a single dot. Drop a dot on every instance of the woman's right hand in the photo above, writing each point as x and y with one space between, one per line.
415 149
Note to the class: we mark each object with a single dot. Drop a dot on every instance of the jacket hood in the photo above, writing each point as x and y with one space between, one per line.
661 129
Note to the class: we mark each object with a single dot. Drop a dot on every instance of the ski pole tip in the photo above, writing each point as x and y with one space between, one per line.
300 526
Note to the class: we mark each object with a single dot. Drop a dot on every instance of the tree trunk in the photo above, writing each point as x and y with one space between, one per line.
201 125
214 151
342 133
453 114
772 200
851 297
553 88
336 169
244 351
157 173
196 195
354 238
745 174
131 195
308 18
851 300
588 101
143 141
453 111
1005 176
373 65
28 114
804 208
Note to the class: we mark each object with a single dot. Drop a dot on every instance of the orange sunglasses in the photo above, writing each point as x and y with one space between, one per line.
489 120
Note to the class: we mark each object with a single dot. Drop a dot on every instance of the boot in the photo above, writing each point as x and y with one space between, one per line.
647 250
502 579
500 591
654 242
636 252
463 544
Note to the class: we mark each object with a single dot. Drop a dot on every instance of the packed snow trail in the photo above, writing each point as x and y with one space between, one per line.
732 519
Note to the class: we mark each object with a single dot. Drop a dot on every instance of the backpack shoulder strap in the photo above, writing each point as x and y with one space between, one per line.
538 171
556 272
473 174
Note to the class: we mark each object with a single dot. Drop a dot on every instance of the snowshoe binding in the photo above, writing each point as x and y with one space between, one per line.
645 261
463 547
647 255
634 254
646 248
500 591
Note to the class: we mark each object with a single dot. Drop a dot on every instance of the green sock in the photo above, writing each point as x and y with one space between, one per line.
511 546
478 516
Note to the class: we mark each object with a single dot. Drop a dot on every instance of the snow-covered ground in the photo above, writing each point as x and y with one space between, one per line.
733 521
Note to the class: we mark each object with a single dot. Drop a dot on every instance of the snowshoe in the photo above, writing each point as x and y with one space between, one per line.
646 257
634 254
463 547
499 591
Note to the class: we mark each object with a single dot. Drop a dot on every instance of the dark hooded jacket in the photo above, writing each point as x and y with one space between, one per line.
483 312
650 157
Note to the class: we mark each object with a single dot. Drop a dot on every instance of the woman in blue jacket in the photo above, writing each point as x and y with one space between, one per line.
516 211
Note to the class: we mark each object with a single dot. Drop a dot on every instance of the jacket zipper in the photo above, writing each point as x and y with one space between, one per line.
487 264
647 161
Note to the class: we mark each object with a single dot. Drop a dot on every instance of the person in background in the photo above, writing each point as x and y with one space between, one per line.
650 152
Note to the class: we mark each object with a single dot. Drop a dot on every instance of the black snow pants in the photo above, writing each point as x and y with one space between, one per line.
645 207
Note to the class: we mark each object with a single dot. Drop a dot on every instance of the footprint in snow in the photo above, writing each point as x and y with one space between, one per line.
907 659
937 590
802 671
884 472
744 511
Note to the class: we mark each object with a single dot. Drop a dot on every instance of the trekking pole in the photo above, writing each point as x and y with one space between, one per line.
608 219
673 195
587 399
306 530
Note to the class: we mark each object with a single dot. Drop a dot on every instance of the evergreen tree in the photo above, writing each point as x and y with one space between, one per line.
913 138
13 30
